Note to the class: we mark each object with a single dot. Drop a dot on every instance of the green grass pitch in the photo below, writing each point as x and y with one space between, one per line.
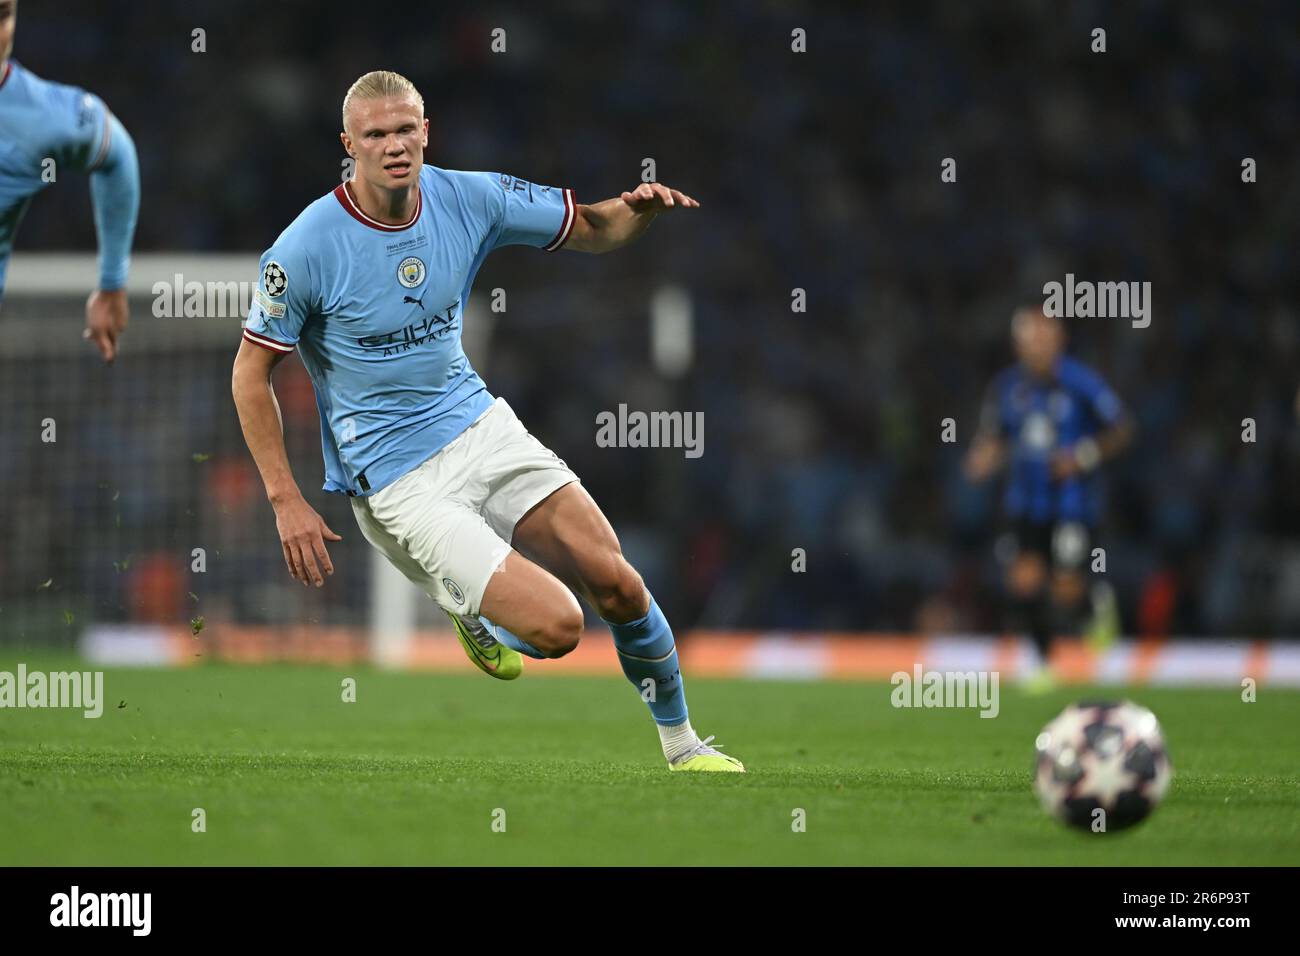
414 770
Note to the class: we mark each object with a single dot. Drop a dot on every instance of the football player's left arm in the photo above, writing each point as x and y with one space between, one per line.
1115 438
609 225
1089 453
115 192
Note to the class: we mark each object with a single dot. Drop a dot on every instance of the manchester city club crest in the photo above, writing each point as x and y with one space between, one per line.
410 272
454 590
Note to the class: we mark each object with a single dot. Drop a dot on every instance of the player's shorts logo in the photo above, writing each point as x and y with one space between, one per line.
456 593
410 272
1069 543
274 279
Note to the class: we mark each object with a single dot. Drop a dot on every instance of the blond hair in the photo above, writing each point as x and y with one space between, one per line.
378 84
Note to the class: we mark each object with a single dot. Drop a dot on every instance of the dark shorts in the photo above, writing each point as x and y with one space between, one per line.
1065 545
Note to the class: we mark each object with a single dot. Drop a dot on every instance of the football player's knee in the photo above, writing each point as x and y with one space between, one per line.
622 596
1067 588
1025 576
559 632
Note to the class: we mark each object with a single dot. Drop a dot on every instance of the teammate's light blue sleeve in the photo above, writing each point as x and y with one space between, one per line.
527 214
82 136
284 299
115 192
77 136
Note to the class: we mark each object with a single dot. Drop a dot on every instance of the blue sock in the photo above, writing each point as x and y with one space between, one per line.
647 652
509 640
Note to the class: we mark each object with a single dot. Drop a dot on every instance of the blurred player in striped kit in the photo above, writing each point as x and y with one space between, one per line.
48 129
1051 422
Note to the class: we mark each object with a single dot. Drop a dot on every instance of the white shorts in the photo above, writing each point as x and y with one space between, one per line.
447 523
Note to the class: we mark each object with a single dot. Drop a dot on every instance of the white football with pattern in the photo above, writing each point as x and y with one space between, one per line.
1108 757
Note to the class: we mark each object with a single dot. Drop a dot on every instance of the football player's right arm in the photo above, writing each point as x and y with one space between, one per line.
988 452
84 137
302 531
115 191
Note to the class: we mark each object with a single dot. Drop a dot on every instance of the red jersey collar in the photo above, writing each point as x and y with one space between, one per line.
350 205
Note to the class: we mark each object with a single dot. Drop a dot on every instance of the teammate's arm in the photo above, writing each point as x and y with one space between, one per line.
115 193
614 223
302 531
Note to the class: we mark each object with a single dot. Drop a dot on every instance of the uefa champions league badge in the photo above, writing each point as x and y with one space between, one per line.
275 279
410 272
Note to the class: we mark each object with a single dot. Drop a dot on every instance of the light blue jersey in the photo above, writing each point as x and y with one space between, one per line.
48 130
375 311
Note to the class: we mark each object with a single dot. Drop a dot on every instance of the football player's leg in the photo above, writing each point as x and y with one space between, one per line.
536 502
486 654
477 575
1069 586
568 534
1026 586
1091 610
1104 622
531 606
1080 609
446 548
1068 590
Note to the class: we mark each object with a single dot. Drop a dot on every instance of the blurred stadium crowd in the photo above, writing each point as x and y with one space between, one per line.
817 171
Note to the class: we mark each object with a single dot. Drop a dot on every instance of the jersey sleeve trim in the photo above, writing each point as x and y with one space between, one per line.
566 226
271 345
